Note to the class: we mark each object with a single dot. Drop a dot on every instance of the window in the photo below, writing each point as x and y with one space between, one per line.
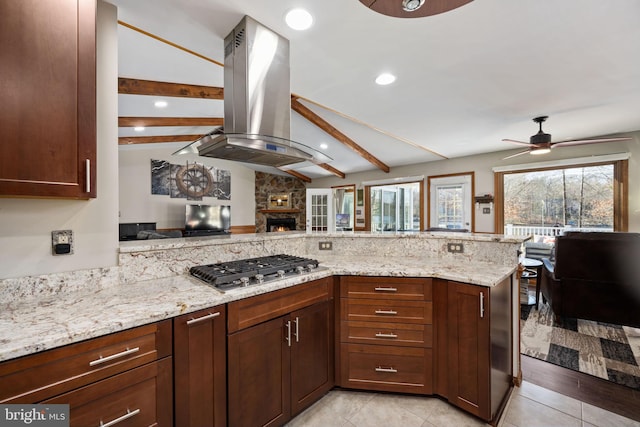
396 207
547 201
450 201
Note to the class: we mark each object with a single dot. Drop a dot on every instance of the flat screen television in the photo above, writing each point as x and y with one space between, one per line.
206 219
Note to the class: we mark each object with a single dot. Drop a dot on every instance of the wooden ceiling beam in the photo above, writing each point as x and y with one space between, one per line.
129 140
331 169
298 175
335 133
169 121
181 90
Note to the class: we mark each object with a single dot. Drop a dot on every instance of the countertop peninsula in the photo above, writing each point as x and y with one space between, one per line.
49 320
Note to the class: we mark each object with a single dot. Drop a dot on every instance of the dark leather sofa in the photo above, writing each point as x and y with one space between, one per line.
595 276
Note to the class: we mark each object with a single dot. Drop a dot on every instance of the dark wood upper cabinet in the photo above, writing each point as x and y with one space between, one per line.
48 108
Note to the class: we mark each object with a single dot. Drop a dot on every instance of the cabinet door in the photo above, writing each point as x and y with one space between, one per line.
259 375
469 358
312 361
200 368
48 108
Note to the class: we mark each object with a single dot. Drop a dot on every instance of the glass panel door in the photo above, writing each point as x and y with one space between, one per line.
320 210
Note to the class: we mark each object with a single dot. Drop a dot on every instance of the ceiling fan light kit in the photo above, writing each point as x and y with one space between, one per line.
413 8
411 5
540 143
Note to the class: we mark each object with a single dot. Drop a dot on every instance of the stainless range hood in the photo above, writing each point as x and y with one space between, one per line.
257 103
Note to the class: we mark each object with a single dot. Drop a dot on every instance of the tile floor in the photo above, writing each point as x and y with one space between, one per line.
530 406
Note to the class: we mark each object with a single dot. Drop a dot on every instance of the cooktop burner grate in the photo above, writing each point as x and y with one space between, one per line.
232 274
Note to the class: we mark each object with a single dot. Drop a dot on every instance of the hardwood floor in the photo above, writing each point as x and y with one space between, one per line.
616 398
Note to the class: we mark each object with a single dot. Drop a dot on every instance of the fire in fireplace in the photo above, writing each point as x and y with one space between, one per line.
281 224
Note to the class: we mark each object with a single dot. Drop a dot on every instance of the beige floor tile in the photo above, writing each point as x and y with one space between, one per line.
446 415
603 418
550 398
379 413
525 412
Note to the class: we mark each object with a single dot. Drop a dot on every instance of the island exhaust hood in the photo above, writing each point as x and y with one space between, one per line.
257 103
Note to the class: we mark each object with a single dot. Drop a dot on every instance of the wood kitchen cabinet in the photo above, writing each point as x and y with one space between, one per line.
281 360
200 368
386 334
122 376
48 108
474 348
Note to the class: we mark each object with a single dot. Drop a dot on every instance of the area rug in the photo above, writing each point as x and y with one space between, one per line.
604 350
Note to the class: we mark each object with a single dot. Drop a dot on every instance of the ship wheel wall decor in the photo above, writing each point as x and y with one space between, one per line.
413 8
194 180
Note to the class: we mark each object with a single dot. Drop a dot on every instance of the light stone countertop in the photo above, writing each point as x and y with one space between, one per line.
32 325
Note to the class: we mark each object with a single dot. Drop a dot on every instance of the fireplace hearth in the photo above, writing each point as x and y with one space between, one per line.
281 224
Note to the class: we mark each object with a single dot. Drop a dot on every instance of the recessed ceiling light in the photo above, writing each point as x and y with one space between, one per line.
411 5
324 146
385 79
299 19
161 104
138 128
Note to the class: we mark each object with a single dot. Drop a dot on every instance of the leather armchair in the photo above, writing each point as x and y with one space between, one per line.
595 276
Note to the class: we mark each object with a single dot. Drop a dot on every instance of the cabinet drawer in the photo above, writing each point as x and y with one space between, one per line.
37 377
386 311
139 397
402 288
251 311
400 334
387 368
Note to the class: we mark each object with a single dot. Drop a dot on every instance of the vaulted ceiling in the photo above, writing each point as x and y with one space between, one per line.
466 78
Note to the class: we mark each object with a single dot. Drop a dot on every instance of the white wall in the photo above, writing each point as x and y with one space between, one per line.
26 224
137 204
482 166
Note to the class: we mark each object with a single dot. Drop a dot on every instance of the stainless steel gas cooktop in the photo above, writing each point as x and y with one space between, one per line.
252 271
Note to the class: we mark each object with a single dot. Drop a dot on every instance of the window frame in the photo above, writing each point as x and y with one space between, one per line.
620 190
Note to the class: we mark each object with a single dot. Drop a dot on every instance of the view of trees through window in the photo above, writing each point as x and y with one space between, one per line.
580 197
395 207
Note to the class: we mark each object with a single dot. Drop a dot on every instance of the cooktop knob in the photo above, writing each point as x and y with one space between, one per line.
259 278
280 273
244 281
299 269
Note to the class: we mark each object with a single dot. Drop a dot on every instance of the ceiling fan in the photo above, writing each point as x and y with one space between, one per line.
540 143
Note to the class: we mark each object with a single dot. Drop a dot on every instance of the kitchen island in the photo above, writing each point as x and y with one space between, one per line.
152 284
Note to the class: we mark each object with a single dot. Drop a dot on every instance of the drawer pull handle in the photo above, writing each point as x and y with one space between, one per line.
386 289
203 318
128 415
387 312
114 356
383 335
390 370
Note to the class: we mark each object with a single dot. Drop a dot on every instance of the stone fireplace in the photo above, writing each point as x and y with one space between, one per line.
281 224
268 184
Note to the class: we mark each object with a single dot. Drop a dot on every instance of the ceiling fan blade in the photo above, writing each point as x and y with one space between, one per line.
513 141
588 141
516 155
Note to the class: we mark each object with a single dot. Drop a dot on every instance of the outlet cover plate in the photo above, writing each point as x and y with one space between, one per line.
62 242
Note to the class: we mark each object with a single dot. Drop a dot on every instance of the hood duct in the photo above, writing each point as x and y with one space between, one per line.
257 103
